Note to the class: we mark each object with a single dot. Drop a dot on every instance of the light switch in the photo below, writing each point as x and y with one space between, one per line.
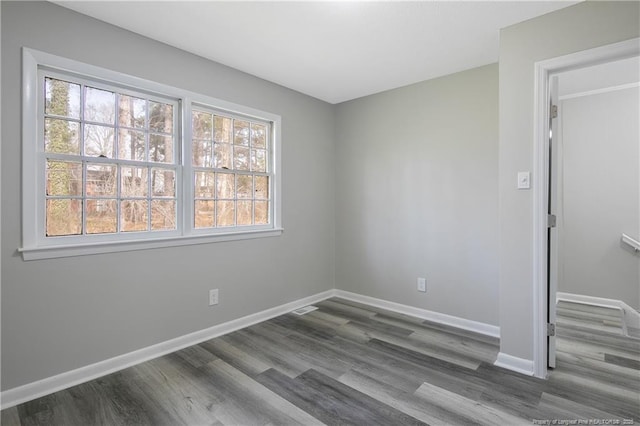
524 180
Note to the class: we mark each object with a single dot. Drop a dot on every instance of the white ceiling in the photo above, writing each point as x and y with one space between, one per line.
334 51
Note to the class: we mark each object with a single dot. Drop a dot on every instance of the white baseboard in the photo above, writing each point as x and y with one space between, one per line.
630 317
510 362
31 391
43 387
465 324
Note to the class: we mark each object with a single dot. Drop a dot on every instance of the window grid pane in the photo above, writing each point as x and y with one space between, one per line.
86 196
101 216
63 217
239 165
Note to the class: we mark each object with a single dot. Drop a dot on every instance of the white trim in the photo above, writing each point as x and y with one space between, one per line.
630 317
633 243
510 362
589 300
31 391
29 133
540 191
599 91
67 379
54 252
462 323
542 71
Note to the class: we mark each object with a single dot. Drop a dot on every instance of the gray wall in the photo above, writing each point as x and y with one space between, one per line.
416 195
583 26
598 201
62 314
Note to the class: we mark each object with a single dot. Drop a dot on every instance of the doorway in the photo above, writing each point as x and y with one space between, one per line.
547 174
595 195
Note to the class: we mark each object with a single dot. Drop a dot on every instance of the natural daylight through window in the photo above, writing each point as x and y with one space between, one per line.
111 160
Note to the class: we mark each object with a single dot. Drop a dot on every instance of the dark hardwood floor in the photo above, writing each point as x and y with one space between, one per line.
347 363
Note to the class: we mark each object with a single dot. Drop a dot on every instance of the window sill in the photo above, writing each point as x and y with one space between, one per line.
53 252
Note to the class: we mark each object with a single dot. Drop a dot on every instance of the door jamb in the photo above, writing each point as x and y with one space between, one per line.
543 71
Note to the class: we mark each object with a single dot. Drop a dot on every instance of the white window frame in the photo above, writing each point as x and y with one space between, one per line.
190 168
42 158
35 245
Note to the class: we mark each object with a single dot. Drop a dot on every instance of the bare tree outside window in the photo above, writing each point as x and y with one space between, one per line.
84 123
232 154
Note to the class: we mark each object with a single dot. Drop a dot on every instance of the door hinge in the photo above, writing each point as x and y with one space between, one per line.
551 221
554 111
551 329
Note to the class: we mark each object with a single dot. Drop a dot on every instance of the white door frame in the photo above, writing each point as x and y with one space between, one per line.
543 71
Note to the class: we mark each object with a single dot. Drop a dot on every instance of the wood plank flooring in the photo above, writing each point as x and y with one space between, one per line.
350 364
596 318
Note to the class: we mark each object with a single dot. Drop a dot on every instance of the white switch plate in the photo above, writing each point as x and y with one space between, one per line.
422 284
524 180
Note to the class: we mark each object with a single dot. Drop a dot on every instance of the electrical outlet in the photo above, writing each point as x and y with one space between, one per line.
422 284
213 297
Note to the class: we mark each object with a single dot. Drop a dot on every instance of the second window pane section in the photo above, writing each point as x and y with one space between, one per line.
163 215
225 213
102 216
134 182
134 215
204 214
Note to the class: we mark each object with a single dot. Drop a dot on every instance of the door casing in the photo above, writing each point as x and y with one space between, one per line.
543 72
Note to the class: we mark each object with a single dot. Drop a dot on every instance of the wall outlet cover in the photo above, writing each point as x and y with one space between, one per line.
213 297
422 284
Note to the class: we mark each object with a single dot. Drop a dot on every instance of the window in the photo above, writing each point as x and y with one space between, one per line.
112 162
109 158
230 170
